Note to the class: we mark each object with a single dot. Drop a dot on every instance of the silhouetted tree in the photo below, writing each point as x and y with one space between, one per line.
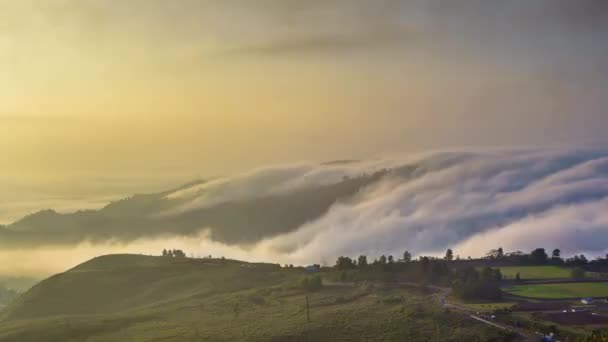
556 253
345 263
362 261
577 260
500 253
178 253
407 256
491 254
424 264
538 256
382 260
391 260
449 255
470 283
556 256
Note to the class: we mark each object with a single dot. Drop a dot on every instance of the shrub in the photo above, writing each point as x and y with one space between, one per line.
577 273
313 283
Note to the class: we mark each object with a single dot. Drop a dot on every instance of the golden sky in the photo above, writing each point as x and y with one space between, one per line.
187 88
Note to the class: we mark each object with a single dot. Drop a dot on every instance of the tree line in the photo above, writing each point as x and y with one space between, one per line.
467 282
450 270
174 253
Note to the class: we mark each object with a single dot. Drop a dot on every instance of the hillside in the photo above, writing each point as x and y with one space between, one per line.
125 282
141 298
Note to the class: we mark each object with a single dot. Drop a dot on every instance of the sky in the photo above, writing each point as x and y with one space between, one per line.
102 98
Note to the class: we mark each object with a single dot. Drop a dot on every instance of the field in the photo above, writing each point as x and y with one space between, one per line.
535 272
138 298
557 291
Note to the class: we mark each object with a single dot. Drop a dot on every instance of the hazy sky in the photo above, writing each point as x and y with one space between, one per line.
164 89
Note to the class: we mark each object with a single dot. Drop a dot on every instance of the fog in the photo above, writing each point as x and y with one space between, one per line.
468 200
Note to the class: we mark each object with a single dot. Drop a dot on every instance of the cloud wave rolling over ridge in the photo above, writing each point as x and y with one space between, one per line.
470 201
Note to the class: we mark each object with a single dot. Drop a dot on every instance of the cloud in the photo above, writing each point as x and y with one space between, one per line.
478 203
469 200
271 181
576 228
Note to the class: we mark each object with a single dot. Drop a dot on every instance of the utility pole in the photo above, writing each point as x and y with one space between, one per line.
307 310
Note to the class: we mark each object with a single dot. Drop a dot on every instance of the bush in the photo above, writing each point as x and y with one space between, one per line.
577 273
313 283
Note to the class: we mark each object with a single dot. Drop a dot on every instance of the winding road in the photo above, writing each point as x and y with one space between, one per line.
442 298
441 294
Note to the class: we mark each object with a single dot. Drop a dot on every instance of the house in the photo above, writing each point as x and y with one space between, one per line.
587 301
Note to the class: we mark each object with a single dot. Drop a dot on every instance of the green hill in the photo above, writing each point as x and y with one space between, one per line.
118 283
142 298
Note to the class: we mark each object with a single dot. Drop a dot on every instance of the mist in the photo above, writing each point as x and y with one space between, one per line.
468 200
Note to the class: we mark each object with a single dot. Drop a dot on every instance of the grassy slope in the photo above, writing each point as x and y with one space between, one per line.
138 298
535 272
573 290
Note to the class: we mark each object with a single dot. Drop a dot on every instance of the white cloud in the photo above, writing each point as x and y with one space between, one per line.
464 205
274 180
468 201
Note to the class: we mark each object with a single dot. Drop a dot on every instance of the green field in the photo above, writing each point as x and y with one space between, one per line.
140 298
557 291
535 272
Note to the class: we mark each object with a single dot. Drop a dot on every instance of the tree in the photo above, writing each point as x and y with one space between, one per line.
164 252
424 264
362 261
313 283
577 273
345 263
177 253
556 254
517 277
382 260
449 255
500 253
390 259
577 260
407 256
472 284
492 254
538 256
